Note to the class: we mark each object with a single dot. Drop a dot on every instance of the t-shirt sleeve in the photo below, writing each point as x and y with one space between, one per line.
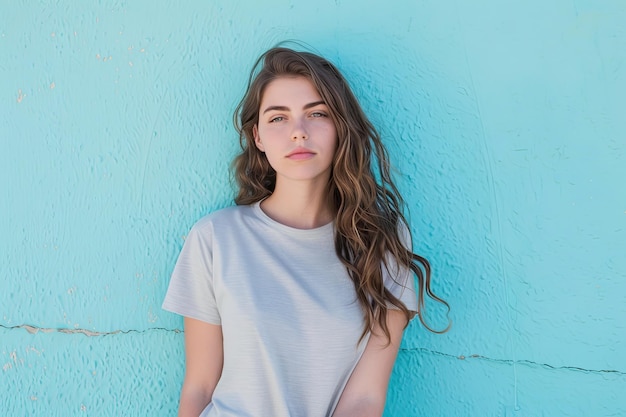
191 292
399 280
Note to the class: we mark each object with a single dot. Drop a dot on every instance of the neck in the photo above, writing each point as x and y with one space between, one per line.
300 204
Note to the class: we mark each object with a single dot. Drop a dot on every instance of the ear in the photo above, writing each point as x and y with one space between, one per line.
257 139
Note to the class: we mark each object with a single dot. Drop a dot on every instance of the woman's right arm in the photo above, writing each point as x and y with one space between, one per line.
204 357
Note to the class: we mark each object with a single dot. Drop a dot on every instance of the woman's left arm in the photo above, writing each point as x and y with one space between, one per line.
366 390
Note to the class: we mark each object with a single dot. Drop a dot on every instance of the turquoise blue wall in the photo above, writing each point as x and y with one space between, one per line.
505 120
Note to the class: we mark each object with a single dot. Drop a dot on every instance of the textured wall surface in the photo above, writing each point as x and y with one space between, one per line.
506 123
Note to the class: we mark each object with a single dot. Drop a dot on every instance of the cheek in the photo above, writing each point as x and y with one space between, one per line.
331 134
265 138
267 132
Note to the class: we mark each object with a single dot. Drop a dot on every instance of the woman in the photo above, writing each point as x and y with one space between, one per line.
295 299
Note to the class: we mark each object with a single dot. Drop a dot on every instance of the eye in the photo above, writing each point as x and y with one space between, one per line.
277 119
318 114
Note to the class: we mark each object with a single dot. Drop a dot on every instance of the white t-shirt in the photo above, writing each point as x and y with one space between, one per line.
288 310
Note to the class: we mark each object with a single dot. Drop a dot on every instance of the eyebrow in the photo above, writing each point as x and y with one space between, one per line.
285 108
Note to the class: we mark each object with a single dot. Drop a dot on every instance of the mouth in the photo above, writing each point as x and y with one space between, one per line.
300 154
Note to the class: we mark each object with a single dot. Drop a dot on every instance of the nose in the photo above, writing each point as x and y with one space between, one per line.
299 133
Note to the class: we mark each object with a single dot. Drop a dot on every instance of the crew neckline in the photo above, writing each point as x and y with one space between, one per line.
324 229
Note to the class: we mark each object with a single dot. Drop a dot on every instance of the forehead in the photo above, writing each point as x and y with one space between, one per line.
284 90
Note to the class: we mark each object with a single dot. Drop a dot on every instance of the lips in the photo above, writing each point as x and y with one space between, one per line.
301 154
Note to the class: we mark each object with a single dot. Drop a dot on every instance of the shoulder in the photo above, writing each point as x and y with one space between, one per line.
223 214
223 218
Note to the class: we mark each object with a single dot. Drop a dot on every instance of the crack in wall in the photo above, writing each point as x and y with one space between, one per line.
513 362
91 333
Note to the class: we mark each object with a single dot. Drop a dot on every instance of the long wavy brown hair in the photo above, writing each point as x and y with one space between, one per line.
369 223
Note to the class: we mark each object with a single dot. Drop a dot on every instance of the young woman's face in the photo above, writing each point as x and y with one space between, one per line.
295 130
